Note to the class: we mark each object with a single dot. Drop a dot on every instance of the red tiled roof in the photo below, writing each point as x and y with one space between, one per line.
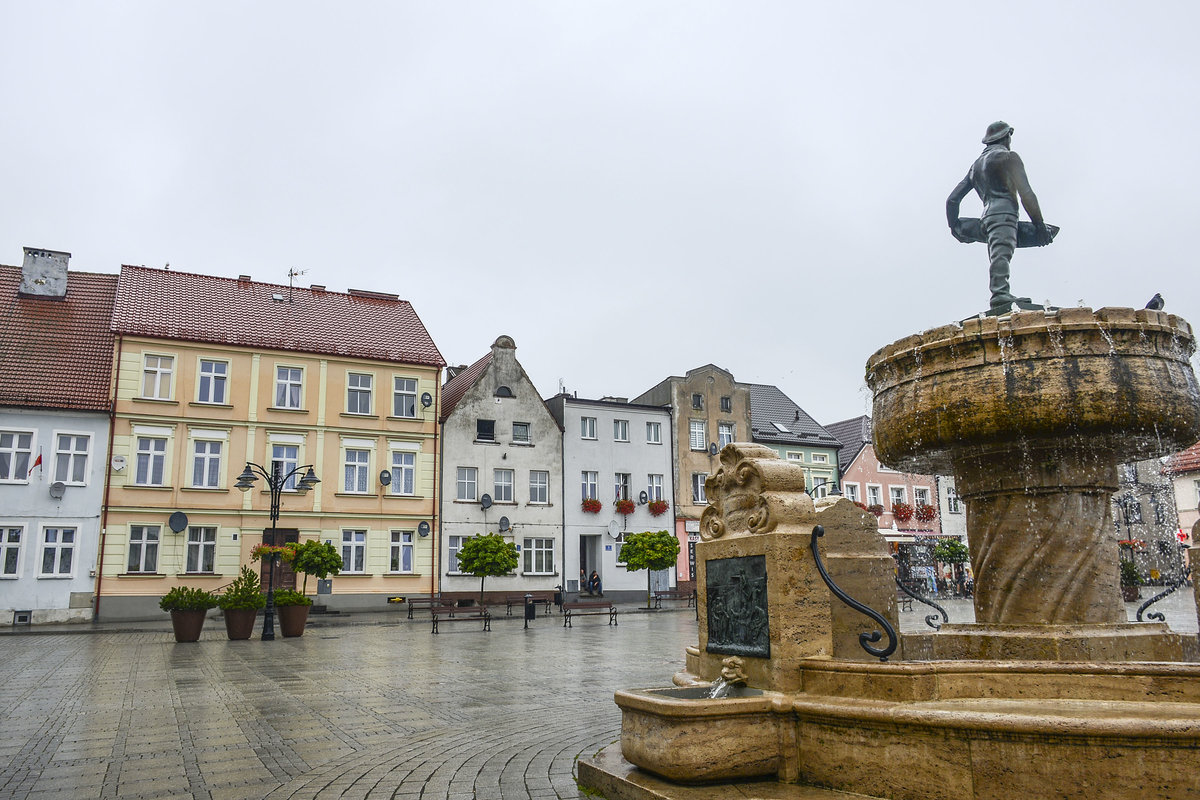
454 389
167 304
1184 462
56 353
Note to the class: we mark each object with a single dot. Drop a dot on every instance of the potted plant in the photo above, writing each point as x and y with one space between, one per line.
626 507
316 558
1131 579
876 509
903 512
591 505
924 512
188 606
658 507
240 603
292 607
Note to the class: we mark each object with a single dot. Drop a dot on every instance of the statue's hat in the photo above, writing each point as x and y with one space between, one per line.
997 131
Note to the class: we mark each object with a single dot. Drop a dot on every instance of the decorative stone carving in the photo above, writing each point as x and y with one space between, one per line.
752 492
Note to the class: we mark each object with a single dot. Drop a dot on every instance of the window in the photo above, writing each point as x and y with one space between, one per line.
874 495
284 459
456 543
696 434
654 487
794 456
156 377
1133 510
466 483
697 401
404 472
1129 473
725 434
15 450
698 495
539 486
288 382
897 494
520 433
70 458
201 549
502 486
851 491
402 551
539 556
210 387
485 430
589 481
356 471
727 404
404 398
354 550
620 485
150 461
58 551
620 430
654 433
358 393
143 548
820 458
820 487
206 465
1160 513
10 551
920 496
587 427
953 501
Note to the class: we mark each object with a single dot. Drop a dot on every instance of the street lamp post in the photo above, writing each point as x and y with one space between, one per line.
276 481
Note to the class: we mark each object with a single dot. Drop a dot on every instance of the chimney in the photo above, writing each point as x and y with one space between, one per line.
243 278
44 273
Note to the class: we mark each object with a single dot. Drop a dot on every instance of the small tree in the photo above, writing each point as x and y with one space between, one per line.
650 550
487 555
954 552
316 558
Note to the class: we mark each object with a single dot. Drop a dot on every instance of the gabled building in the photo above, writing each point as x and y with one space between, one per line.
777 422
214 373
502 473
56 354
615 451
1143 510
1183 471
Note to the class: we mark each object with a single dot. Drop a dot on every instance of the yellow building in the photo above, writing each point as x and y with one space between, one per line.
213 373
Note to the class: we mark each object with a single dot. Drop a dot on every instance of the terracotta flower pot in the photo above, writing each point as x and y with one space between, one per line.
239 622
187 625
292 619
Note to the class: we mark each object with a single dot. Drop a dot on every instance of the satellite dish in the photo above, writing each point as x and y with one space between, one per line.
385 477
118 463
178 521
614 528
712 448
486 501
643 498
505 525
423 528
58 489
426 399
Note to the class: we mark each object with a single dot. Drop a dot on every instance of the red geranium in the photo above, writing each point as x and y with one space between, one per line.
591 505
625 506
903 512
926 512
658 507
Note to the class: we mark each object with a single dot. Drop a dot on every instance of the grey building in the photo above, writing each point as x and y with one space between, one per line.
777 422
1144 512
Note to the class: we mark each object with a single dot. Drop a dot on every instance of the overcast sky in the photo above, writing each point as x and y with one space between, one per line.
628 189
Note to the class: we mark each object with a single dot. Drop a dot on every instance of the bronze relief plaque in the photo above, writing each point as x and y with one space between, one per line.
737 607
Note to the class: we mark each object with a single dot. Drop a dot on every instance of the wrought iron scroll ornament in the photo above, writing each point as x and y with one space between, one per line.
864 637
930 619
1155 615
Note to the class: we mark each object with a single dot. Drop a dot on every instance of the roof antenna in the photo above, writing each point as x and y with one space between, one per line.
294 273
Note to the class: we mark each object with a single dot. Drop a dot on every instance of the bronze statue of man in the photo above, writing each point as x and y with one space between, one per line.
998 177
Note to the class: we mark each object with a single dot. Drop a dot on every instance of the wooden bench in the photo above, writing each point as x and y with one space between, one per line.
675 594
423 602
545 598
588 608
444 614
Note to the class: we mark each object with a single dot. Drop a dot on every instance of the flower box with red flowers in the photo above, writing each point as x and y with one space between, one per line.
925 512
625 507
591 505
875 508
658 507
903 512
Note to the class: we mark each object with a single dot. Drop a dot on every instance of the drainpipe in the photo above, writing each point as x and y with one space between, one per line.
438 489
112 429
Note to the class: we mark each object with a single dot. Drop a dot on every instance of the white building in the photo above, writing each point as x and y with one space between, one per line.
613 450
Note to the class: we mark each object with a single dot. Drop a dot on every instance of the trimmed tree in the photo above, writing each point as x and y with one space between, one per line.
487 555
316 558
651 551
954 552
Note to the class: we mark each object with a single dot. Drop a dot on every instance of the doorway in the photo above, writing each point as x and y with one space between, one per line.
285 577
589 559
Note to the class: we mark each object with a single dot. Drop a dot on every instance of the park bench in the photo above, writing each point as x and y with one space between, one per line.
588 608
423 602
904 602
675 594
545 598
444 614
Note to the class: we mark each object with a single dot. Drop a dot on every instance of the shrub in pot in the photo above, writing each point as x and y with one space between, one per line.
240 603
292 608
1131 579
188 606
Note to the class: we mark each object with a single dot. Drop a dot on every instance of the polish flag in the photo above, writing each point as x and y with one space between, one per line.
36 464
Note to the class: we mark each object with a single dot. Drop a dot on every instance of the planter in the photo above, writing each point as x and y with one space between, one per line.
187 625
292 619
1130 593
239 622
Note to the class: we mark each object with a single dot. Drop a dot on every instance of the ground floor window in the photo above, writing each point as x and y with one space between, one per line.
143 548
402 551
456 543
354 550
10 550
58 551
201 549
539 555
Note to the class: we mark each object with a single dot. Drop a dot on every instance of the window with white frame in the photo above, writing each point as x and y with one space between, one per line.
654 487
404 472
698 495
150 461
897 494
620 485
539 556
143 548
920 496
874 495
10 550
16 449
206 464
696 437
953 501
820 487
454 545
58 551
520 433
502 485
210 383
466 483
201 549
587 427
620 430
156 376
589 482
289 383
356 465
401 552
404 398
354 550
851 491
725 434
358 392
284 459
653 433
539 486
820 458
1196 493
792 455
71 457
